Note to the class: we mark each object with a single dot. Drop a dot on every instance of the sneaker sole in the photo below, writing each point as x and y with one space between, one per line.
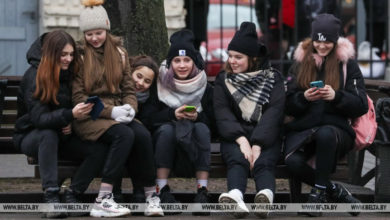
101 213
261 199
155 214
241 213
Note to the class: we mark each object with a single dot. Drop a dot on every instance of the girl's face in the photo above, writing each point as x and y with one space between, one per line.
96 37
238 61
323 48
182 66
66 56
143 77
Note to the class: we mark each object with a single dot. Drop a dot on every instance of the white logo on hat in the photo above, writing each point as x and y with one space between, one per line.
182 53
321 37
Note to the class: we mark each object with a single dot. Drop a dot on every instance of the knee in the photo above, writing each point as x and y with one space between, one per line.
293 162
325 134
124 134
141 132
165 130
48 135
202 129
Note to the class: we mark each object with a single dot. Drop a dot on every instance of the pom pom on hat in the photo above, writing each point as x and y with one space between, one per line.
92 2
245 40
93 16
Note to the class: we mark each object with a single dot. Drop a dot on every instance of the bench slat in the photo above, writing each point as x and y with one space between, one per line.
6 132
10 105
9 119
12 91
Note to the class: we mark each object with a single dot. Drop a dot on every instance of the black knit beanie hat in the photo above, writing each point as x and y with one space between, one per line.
182 44
245 40
325 27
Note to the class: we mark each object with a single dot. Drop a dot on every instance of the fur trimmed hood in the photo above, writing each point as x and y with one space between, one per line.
344 51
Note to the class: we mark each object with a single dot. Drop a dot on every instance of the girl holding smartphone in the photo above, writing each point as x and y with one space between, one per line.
320 131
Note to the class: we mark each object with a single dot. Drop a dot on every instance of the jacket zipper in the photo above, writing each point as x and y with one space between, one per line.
354 83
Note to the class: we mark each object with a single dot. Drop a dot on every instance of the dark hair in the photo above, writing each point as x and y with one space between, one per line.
48 73
138 62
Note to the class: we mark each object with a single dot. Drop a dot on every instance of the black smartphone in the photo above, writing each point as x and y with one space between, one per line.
92 99
97 107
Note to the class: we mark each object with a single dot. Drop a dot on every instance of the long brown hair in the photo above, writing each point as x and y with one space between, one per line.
307 70
48 73
112 64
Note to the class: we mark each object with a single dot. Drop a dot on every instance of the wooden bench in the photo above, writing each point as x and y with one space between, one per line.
348 170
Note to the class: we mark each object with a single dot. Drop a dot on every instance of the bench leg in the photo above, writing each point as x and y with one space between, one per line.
295 189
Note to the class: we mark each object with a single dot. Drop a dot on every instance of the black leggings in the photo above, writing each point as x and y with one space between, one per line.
140 162
329 144
119 138
165 146
44 145
238 168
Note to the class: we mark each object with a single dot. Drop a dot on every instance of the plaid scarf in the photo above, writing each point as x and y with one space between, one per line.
251 91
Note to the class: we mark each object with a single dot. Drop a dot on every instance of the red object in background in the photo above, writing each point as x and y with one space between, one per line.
288 12
214 52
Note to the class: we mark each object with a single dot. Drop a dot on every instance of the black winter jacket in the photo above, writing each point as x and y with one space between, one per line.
350 100
34 114
229 119
154 113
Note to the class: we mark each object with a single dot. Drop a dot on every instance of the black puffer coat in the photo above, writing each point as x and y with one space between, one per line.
34 114
229 119
350 100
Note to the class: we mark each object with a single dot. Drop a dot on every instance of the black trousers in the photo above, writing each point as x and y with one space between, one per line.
165 144
44 144
120 139
238 168
140 162
329 144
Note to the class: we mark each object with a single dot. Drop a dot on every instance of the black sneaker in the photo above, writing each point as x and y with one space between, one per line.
315 196
73 197
341 195
202 197
52 196
167 197
138 197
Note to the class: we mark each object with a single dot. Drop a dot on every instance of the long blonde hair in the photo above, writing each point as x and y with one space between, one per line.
111 64
307 70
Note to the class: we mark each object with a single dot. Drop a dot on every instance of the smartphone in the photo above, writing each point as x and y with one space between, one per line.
317 84
92 99
189 108
97 107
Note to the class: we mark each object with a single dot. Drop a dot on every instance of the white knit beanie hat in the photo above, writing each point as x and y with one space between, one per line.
93 16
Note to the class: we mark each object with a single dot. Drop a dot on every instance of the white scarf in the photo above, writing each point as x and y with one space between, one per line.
187 92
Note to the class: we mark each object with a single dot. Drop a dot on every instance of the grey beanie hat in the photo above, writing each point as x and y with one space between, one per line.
93 16
325 27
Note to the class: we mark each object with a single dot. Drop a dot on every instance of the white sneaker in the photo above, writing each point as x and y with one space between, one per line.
153 207
242 210
265 196
108 208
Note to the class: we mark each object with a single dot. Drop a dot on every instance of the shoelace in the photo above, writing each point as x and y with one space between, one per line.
154 201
